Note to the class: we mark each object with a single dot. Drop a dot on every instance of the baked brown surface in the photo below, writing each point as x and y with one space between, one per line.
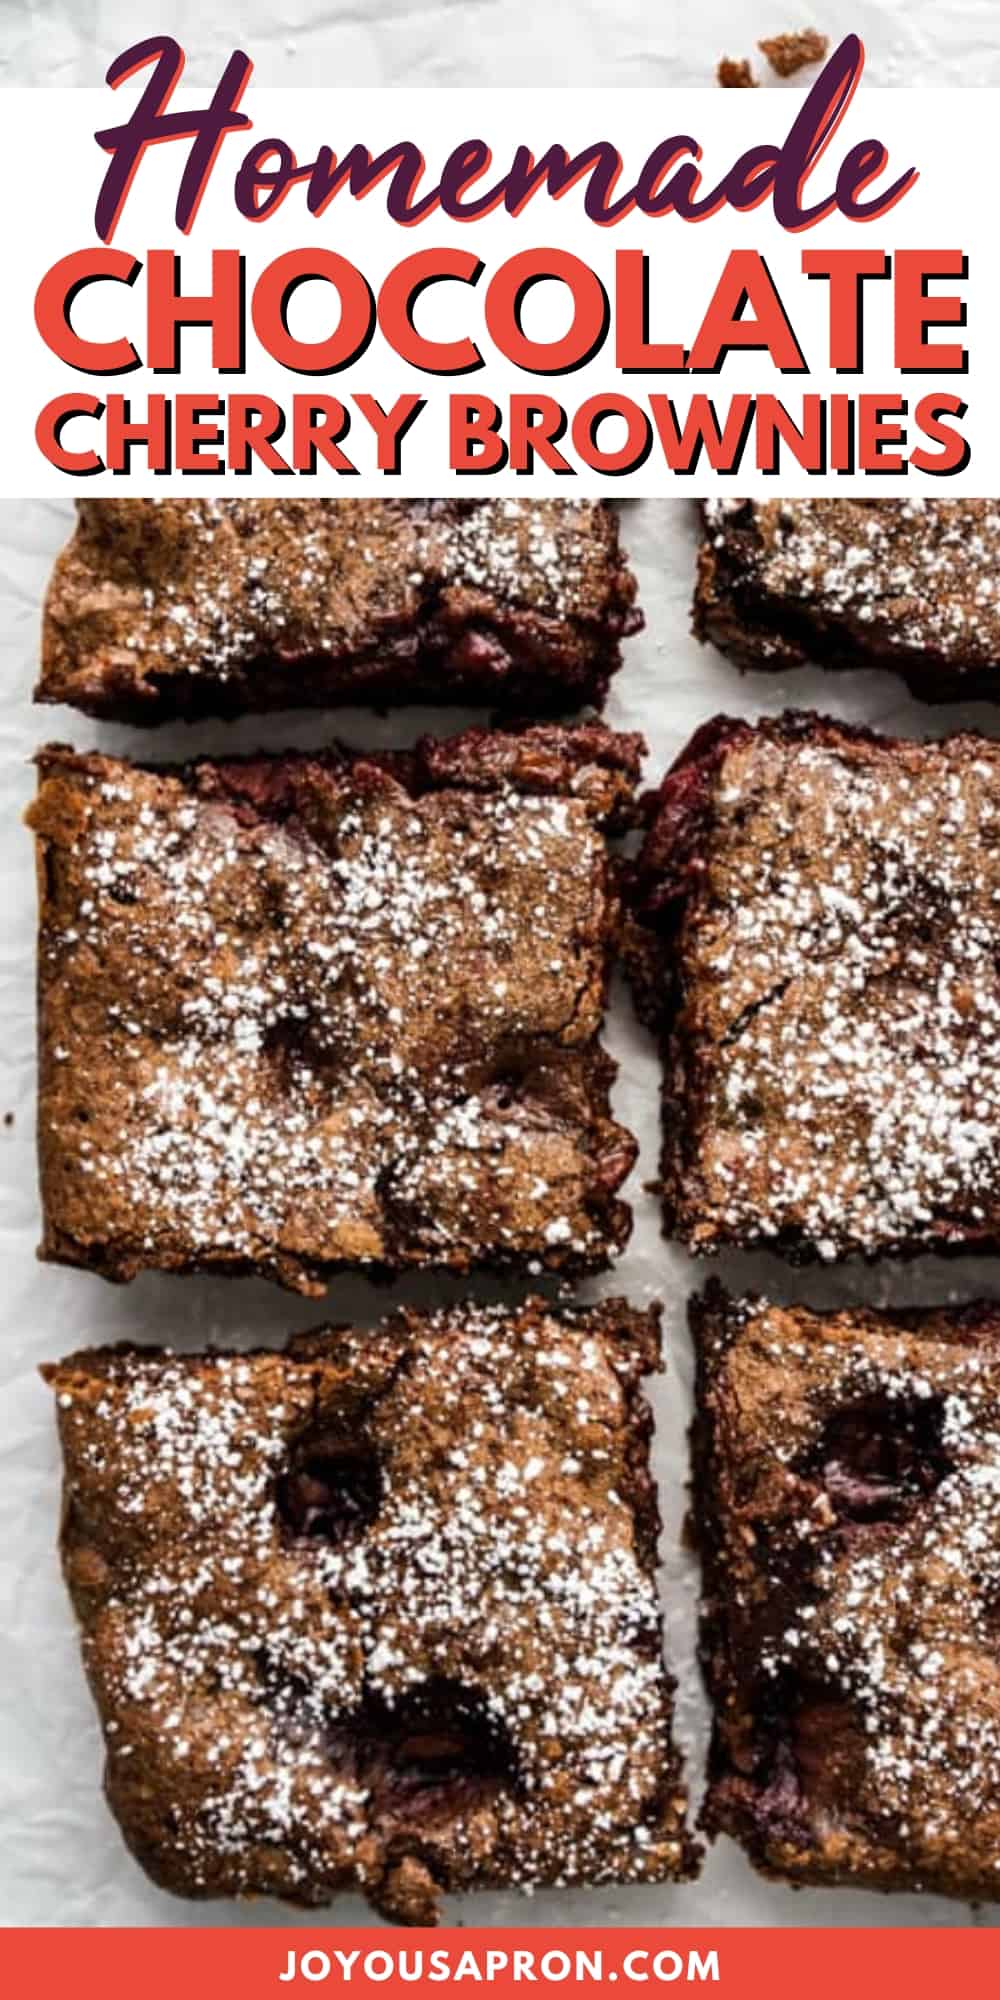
378 1611
304 1012
911 585
847 1498
816 938
161 608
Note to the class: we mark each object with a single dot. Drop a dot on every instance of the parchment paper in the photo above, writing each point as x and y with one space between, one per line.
61 1858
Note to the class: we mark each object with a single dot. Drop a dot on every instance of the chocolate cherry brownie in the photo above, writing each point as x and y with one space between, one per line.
912 585
847 1500
816 936
378 1611
304 1012
162 608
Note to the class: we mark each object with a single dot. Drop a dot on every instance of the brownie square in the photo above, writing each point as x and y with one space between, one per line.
305 1012
378 1611
847 1500
909 585
161 608
816 935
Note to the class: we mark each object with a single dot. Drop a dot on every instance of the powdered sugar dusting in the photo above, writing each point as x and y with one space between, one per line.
839 1056
156 603
908 582
356 1031
239 1665
884 1500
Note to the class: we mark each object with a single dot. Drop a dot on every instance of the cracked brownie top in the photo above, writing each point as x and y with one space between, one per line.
378 1611
160 608
909 584
848 1504
818 937
304 1012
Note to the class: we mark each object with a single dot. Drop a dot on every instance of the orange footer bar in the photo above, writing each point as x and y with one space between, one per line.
253 1963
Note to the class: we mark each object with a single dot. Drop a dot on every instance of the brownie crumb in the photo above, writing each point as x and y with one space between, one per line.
735 74
787 54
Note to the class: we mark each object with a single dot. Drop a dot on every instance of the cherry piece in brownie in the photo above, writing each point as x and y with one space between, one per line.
816 936
847 1503
161 608
379 1611
910 585
305 1012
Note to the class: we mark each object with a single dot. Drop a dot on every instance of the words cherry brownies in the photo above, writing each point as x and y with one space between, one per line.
379 1611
